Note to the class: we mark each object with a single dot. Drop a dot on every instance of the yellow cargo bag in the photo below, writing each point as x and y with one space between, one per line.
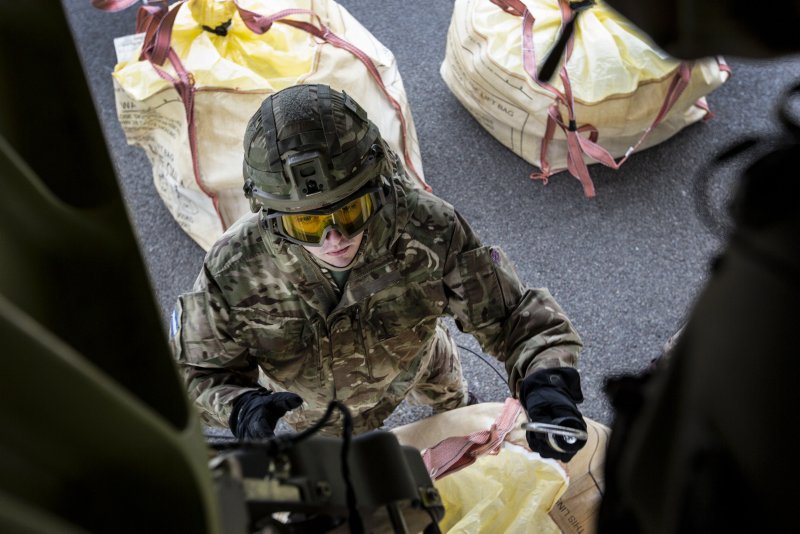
490 481
613 93
191 79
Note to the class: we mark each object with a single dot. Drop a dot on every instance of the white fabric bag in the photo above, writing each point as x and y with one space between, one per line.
614 92
197 74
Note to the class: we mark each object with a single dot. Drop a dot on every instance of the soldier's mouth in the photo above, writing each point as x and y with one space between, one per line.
338 252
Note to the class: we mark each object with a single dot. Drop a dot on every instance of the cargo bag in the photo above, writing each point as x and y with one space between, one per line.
490 481
189 80
612 93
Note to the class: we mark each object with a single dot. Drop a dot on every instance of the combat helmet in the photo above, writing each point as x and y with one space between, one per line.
309 147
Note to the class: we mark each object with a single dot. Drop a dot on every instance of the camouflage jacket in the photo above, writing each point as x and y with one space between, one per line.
262 311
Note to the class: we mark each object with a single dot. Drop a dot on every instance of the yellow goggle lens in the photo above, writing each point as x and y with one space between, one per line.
355 213
350 218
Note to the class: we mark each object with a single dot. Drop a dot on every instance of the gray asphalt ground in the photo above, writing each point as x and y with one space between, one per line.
625 265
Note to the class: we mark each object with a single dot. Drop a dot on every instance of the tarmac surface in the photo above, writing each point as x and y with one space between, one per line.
626 265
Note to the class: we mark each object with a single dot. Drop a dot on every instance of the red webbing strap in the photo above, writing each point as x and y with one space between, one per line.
260 24
680 81
457 452
185 87
575 163
701 102
529 57
723 65
156 22
577 145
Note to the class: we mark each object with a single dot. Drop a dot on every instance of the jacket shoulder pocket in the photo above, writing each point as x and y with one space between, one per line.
193 330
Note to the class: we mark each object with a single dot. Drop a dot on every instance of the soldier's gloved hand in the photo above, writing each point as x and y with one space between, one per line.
256 413
551 396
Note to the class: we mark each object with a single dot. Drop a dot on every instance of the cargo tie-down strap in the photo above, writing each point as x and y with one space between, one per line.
457 452
577 144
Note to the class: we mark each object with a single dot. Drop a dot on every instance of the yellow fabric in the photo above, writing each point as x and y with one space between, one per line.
618 76
211 13
610 55
511 492
574 511
239 60
232 75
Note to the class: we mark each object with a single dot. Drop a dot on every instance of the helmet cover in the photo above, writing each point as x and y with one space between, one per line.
307 147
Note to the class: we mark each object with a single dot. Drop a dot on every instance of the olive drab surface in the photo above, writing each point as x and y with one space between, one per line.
613 93
95 421
262 307
184 93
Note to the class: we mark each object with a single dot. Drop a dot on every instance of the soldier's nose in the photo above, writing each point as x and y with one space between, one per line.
334 237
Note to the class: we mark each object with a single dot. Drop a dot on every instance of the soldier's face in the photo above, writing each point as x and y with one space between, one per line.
337 250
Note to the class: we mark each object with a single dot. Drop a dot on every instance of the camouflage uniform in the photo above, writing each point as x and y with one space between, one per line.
264 311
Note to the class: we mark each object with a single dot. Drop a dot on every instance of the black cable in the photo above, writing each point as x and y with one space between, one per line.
553 57
504 379
324 420
280 443
354 517
433 527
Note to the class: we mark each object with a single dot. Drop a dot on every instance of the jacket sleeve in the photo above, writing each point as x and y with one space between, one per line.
215 368
522 327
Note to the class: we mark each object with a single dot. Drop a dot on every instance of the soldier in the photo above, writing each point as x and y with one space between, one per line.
336 285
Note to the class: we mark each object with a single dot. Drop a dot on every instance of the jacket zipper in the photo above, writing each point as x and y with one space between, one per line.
330 352
363 343
330 323
320 372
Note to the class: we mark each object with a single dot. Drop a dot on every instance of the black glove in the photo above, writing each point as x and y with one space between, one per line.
256 413
550 396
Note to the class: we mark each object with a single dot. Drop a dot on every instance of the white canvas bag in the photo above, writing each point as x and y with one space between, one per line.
613 93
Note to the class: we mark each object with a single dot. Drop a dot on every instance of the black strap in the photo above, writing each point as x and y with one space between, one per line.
325 106
313 137
221 30
353 157
553 57
580 6
271 131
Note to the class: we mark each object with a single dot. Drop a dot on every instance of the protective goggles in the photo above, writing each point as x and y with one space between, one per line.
348 217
